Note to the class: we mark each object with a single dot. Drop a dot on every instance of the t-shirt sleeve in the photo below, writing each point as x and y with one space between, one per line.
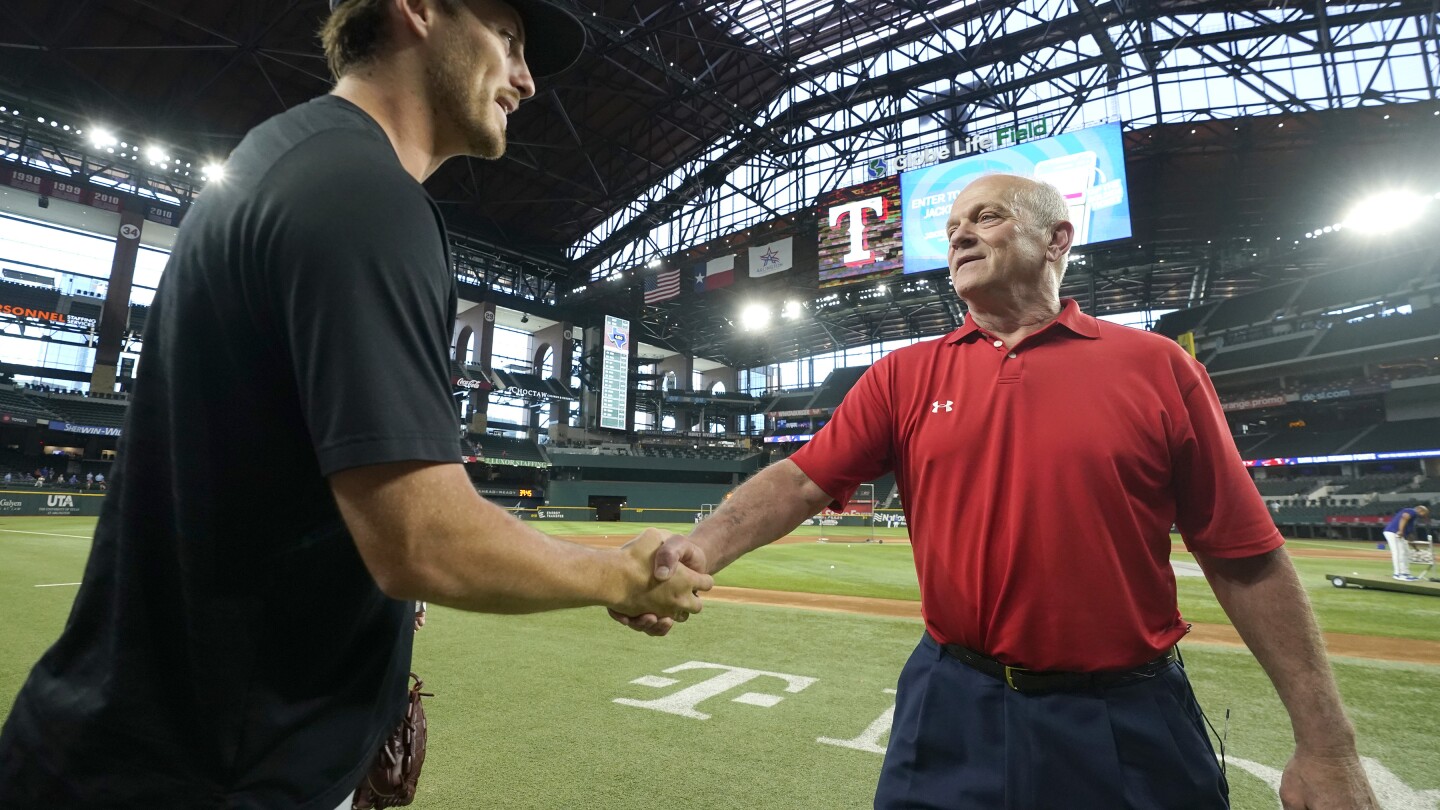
857 445
364 298
1218 509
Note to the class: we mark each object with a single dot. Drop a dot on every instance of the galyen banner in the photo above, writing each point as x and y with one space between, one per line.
15 503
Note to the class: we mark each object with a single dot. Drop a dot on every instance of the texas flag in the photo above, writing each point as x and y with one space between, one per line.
714 274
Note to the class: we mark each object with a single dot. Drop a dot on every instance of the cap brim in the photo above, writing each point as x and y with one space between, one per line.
554 38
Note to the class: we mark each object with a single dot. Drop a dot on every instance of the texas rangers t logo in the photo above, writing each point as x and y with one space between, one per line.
948 405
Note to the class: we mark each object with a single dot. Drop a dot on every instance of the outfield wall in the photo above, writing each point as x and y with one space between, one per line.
639 494
884 518
46 503
745 466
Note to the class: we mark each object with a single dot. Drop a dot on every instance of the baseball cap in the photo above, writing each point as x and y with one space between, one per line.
554 38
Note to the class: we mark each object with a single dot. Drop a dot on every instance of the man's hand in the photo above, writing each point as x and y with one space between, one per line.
677 550
672 597
1326 782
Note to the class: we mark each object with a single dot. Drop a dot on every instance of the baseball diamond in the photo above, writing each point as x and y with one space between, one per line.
792 665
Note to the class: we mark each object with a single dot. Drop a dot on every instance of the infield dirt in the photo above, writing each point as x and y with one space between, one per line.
1377 647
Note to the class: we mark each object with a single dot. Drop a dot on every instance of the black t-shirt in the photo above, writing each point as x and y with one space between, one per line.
228 647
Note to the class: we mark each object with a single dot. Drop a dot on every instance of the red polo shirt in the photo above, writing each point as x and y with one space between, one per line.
1040 483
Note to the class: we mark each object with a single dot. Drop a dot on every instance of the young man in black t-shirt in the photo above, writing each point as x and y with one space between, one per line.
241 638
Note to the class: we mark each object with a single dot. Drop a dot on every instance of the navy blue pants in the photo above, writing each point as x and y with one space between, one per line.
963 740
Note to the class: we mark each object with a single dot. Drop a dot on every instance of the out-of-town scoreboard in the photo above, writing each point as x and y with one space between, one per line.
615 373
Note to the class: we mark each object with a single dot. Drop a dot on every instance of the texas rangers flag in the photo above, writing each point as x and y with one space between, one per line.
776 257
714 274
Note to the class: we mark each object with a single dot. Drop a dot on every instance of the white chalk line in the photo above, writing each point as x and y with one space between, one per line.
47 534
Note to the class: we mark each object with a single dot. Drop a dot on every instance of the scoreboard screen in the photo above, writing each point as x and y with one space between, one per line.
860 232
615 374
1087 166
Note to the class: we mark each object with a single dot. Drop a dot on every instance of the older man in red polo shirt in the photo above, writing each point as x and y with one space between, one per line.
1043 457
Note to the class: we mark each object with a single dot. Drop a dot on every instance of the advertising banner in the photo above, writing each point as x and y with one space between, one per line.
853 509
89 430
20 503
1253 403
511 492
1356 519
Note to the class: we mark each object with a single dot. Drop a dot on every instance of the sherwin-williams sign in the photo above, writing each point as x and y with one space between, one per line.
92 430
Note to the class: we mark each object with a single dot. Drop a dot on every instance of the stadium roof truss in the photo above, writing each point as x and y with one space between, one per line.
687 121
863 80
854 82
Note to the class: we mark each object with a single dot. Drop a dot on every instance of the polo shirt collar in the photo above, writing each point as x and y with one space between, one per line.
1071 318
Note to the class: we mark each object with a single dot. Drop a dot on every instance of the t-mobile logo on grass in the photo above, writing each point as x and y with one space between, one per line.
685 701
948 406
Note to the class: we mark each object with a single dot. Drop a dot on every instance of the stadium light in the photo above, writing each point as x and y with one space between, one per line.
155 154
792 310
655 262
754 317
1386 212
101 138
214 171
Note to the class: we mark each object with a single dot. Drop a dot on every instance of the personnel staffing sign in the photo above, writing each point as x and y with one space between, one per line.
615 373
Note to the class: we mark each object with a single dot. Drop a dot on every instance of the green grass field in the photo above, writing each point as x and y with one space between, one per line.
525 713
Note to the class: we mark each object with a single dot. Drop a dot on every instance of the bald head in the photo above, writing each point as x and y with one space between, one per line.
1042 202
1009 237
1037 206
1040 205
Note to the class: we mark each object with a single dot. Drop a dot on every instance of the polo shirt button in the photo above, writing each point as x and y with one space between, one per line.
999 344
1011 355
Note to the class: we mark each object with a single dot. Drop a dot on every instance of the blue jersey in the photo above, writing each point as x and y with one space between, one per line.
1394 525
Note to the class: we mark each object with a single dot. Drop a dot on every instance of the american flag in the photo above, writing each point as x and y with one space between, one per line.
662 287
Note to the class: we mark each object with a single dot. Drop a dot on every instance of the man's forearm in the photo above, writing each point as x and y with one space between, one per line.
497 564
1264 599
760 511
425 534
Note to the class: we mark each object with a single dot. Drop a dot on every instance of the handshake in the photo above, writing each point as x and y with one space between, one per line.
665 574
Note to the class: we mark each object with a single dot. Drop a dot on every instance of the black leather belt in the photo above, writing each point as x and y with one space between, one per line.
1031 681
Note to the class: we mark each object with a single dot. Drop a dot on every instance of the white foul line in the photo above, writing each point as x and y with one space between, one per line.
47 534
50 534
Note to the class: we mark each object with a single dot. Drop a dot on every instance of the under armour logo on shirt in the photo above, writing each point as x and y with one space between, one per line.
948 405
